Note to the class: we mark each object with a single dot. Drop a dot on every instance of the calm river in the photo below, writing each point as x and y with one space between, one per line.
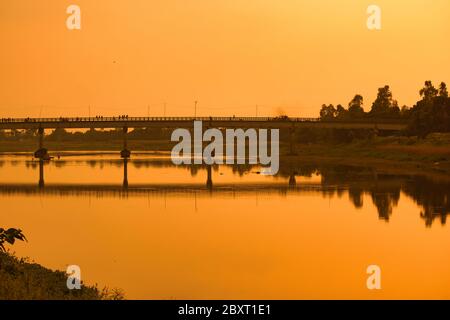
179 233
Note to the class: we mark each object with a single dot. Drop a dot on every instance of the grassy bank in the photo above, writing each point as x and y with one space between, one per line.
432 153
23 280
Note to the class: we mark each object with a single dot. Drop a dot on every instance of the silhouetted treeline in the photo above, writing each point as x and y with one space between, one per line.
430 114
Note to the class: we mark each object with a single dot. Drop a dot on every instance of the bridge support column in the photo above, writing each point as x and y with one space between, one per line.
209 183
41 173
125 172
292 181
125 153
41 153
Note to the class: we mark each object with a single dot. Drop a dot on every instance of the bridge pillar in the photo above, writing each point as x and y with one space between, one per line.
41 173
125 172
209 183
41 153
292 181
125 153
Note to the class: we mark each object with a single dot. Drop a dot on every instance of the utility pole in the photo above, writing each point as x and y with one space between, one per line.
165 104
256 110
195 109
89 107
148 111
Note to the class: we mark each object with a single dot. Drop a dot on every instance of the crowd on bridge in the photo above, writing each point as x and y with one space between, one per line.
6 120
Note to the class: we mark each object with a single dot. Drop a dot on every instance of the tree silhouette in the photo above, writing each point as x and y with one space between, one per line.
443 90
429 92
384 105
341 113
327 112
432 113
355 107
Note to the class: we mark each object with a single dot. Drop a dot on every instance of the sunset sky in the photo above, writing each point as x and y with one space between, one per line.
287 56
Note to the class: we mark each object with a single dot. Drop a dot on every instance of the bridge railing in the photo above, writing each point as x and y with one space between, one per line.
167 119
151 119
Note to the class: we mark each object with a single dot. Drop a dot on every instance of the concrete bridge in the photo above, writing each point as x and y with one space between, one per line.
125 123
187 122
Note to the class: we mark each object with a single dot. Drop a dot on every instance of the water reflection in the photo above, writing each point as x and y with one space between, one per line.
225 232
41 174
384 189
433 198
125 173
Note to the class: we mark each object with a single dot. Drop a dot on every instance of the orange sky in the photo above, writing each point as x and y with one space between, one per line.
290 55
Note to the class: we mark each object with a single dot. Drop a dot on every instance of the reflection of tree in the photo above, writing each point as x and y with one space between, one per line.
432 196
356 196
384 189
431 213
385 202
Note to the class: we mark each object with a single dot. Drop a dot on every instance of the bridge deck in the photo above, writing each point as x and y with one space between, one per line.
187 122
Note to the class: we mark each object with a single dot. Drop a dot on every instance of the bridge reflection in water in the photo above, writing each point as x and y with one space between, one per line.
41 174
384 189
41 182
112 189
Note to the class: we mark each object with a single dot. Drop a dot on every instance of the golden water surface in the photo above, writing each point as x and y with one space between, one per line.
169 236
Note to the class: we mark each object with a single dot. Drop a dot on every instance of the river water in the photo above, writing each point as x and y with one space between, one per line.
175 232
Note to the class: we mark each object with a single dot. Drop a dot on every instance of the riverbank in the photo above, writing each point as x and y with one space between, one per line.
430 154
24 280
